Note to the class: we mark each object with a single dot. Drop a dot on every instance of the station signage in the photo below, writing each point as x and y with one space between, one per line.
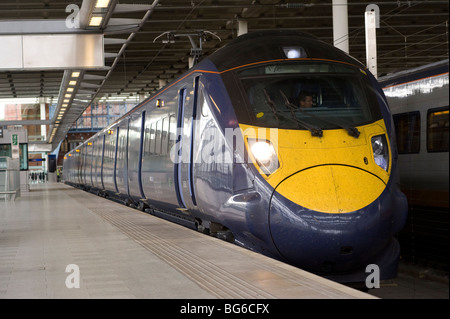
15 145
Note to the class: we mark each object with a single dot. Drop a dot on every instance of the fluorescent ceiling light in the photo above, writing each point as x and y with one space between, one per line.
72 82
96 21
102 3
75 74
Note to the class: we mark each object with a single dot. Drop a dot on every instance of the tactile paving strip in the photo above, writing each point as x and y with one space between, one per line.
207 275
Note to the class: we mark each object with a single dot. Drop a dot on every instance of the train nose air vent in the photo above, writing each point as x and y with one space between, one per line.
346 250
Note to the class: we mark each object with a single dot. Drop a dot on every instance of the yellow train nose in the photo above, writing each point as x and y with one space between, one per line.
332 188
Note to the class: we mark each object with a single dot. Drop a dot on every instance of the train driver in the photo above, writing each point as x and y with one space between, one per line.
305 99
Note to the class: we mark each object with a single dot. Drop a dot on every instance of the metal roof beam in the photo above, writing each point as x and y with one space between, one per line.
14 27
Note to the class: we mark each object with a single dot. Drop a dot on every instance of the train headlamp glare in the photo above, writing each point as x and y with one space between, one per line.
294 52
264 154
380 151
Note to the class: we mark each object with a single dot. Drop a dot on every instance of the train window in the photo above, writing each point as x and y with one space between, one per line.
437 129
152 138
108 152
147 139
341 95
172 132
165 135
407 130
202 105
122 145
158 137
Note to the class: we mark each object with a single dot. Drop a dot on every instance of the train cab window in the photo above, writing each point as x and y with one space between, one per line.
407 130
341 95
437 129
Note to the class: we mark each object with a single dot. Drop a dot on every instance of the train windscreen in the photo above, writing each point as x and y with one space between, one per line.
295 95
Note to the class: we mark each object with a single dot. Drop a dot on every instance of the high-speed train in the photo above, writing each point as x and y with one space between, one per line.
226 149
419 102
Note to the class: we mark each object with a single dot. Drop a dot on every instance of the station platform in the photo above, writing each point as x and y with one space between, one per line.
58 242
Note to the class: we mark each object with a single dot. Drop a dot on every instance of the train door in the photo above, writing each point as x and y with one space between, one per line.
84 159
109 156
122 158
78 162
82 155
91 162
184 174
102 161
179 149
135 143
96 163
116 147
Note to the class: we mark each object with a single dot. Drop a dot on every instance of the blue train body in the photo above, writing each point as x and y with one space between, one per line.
225 151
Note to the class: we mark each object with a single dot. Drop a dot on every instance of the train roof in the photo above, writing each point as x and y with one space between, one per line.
271 45
413 74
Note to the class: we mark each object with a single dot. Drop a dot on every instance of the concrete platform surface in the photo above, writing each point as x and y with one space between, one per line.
60 242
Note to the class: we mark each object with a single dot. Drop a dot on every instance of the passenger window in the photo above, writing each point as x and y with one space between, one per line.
165 135
437 130
407 130
202 105
152 138
158 137
172 132
147 140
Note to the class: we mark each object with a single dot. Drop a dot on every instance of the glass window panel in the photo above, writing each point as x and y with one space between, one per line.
437 130
407 129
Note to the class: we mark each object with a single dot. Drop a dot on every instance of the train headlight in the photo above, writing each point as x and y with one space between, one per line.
380 151
264 154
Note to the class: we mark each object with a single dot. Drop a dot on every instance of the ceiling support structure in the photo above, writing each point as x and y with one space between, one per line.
242 27
340 25
196 51
87 92
371 17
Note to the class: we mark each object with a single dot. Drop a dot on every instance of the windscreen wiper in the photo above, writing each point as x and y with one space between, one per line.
272 105
352 131
315 131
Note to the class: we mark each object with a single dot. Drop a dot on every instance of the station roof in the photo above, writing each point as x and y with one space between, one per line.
150 42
